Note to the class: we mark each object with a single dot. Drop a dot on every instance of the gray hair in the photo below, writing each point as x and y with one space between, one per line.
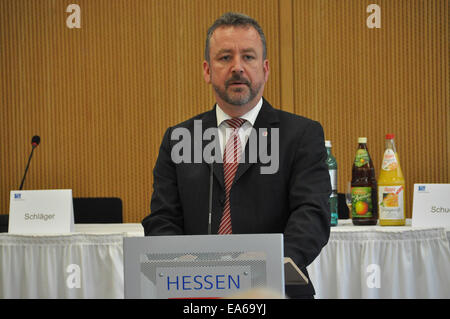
234 19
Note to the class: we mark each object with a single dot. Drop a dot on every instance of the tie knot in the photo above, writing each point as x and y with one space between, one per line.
235 122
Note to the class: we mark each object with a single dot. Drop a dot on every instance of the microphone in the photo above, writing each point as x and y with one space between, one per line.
34 143
210 195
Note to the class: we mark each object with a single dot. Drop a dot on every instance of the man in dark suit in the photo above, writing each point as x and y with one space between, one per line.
286 192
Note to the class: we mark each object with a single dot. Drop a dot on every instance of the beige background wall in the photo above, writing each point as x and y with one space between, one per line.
102 96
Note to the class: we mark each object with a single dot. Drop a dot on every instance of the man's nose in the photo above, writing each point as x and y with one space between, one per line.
237 66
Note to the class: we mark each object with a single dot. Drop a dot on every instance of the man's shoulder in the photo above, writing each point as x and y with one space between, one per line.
288 116
294 120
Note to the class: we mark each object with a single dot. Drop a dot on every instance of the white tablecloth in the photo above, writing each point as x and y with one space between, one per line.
383 262
85 264
358 262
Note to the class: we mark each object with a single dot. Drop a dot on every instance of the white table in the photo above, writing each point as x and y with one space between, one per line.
383 262
128 229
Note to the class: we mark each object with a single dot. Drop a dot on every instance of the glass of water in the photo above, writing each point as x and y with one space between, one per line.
348 198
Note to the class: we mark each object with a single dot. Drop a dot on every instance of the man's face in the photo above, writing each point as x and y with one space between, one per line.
236 70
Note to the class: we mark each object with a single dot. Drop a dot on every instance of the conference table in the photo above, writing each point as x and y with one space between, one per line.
357 262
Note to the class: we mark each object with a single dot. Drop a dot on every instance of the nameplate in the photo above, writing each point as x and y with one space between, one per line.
41 212
201 282
431 205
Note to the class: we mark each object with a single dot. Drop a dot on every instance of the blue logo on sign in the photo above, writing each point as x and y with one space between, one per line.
421 188
17 196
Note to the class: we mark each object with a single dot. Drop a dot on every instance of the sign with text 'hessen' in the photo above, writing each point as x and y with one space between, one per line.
202 282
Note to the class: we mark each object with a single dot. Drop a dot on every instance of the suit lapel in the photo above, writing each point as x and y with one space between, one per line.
266 119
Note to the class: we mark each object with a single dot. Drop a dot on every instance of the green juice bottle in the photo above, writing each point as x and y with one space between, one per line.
364 187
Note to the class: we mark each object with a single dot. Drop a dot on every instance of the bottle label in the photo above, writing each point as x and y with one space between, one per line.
389 160
333 179
390 201
333 201
361 202
361 158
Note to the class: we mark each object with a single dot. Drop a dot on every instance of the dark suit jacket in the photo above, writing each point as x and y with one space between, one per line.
293 201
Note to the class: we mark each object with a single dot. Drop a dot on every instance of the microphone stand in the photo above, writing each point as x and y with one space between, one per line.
26 169
210 195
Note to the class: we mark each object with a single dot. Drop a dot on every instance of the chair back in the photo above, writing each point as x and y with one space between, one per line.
4 219
97 210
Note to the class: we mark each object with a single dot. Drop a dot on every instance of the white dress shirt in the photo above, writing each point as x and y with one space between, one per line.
244 131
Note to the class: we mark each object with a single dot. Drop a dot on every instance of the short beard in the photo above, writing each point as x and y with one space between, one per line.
241 99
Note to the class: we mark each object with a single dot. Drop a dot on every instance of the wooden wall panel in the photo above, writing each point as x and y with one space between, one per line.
368 82
102 96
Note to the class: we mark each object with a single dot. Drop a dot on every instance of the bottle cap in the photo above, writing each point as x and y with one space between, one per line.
389 136
327 143
362 139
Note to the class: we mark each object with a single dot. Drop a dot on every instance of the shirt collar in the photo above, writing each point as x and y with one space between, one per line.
250 116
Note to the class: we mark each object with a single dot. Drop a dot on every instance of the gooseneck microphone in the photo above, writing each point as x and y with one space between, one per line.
34 143
210 196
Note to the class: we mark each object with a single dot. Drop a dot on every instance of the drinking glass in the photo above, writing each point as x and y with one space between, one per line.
348 198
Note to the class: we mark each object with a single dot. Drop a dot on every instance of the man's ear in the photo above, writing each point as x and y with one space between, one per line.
266 70
206 72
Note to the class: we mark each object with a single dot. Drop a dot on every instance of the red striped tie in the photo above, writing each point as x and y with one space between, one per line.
231 158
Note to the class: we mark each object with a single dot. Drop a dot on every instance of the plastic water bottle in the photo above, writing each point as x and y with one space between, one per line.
332 169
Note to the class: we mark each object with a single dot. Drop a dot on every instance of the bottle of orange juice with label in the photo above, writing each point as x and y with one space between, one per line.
391 187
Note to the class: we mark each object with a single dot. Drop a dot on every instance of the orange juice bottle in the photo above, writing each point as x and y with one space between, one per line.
391 187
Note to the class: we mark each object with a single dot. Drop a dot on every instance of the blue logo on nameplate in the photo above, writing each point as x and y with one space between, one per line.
17 196
421 188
